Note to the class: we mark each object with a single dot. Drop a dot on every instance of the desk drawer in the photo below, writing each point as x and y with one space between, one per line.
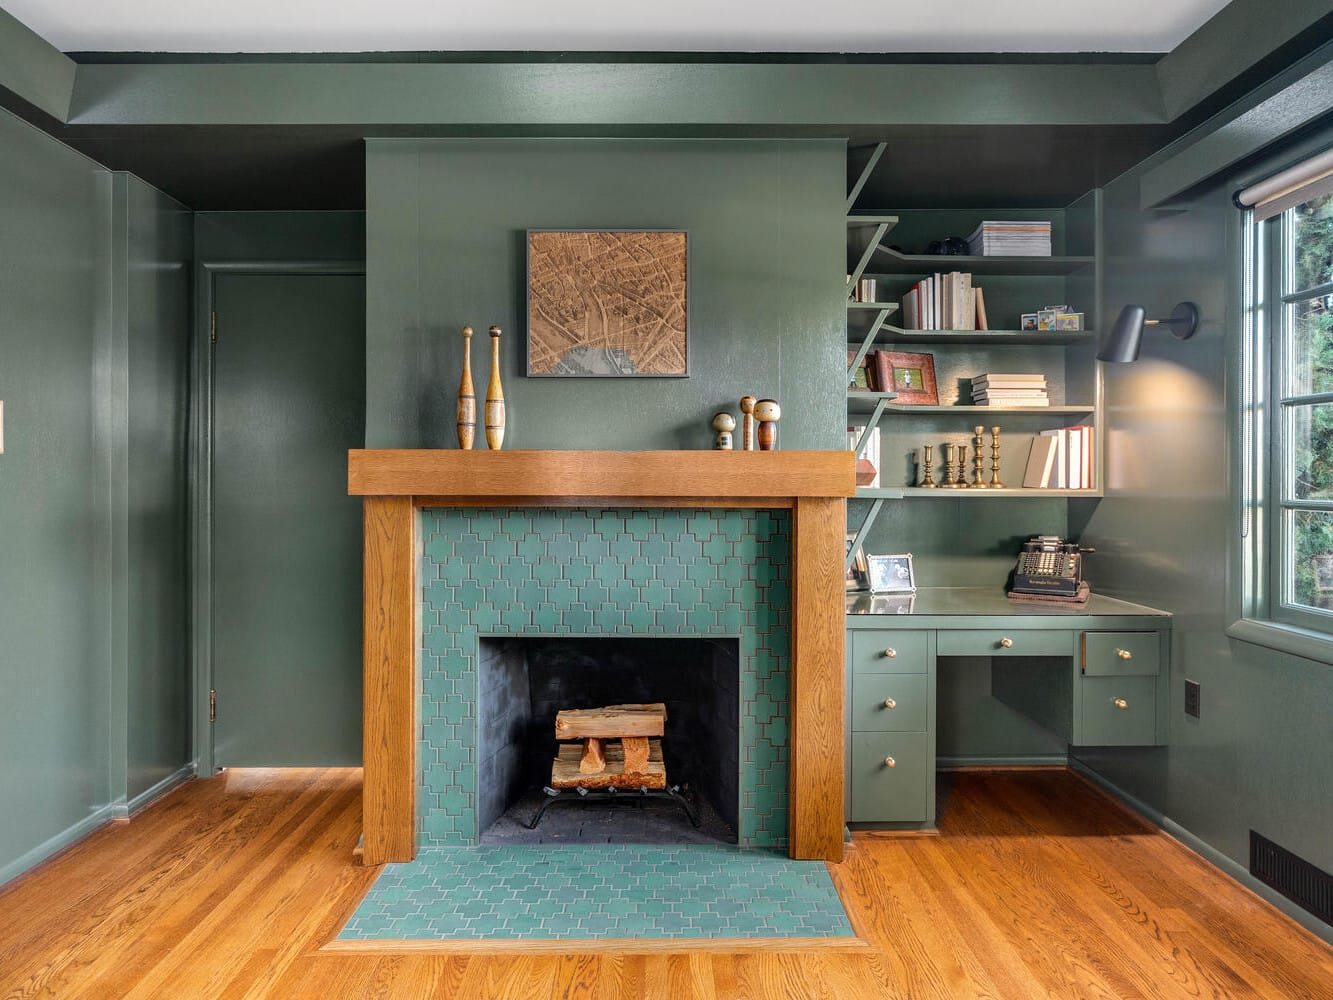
1120 654
884 793
888 651
1119 711
888 703
1004 642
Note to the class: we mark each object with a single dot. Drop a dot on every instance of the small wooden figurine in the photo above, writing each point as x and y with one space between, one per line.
467 397
747 423
724 423
495 398
767 413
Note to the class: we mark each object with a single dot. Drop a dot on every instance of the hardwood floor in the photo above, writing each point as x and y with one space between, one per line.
1037 886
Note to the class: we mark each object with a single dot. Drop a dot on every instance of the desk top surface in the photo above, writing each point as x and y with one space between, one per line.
978 607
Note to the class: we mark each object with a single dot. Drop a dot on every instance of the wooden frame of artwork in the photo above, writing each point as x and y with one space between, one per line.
608 303
911 376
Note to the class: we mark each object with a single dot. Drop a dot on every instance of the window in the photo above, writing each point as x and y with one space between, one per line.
1301 348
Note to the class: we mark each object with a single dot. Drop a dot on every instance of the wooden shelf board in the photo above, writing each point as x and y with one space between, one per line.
894 262
1055 338
864 402
888 307
1013 493
977 410
871 219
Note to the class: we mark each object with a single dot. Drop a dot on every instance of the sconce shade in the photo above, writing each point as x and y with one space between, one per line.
1121 345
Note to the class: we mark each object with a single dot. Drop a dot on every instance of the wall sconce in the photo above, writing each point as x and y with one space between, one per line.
1122 344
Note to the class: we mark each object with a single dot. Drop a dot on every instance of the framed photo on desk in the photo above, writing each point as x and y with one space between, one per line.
890 574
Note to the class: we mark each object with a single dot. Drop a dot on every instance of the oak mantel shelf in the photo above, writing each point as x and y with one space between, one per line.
397 484
503 475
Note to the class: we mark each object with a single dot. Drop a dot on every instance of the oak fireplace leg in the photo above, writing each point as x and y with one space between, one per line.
389 681
818 655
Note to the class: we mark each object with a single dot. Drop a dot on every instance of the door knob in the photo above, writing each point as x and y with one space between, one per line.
890 762
891 653
1124 654
1007 643
1120 703
890 703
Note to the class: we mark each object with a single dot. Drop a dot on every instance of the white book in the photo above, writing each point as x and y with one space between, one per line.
1075 450
1041 458
937 289
1060 473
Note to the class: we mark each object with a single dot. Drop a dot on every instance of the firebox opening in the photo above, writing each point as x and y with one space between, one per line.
524 682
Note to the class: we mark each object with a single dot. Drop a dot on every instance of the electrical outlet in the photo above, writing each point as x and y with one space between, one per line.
1192 698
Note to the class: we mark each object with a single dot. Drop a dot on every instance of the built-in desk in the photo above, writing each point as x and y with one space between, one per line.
1095 675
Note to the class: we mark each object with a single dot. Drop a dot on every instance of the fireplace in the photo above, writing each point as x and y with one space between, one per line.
524 682
424 621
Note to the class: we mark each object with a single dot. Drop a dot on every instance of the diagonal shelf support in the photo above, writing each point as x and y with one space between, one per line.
869 252
861 534
866 171
880 318
871 424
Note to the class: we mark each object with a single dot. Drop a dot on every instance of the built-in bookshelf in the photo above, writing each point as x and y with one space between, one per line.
884 246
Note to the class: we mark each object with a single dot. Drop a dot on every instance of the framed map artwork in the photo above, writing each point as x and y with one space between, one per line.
608 303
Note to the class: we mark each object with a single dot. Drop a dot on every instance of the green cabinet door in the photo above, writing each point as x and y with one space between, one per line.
889 777
1118 711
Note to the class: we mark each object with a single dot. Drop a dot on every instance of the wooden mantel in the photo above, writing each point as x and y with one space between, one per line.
814 485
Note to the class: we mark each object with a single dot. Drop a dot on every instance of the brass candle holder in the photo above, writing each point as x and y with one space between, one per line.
950 451
961 481
995 483
927 483
978 461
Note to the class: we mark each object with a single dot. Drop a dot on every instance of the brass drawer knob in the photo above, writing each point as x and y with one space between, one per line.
1120 703
1006 643
890 703
1124 654
891 653
890 762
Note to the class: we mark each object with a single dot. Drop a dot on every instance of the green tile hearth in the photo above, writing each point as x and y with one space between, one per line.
611 891
601 572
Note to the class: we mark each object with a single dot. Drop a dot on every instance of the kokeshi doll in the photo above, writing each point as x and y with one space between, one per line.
747 423
495 398
724 423
467 397
767 413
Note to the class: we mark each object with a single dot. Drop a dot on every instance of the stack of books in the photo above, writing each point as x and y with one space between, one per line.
867 467
1011 239
1009 389
944 301
1061 459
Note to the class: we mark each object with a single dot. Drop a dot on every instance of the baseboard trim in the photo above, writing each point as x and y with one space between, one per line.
161 788
968 762
65 838
1228 865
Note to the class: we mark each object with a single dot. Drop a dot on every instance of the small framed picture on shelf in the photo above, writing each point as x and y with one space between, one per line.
856 572
860 380
1068 321
1029 321
890 574
911 376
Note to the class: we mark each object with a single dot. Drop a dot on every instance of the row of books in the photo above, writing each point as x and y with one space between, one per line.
1011 239
945 301
1009 389
865 289
867 467
1060 459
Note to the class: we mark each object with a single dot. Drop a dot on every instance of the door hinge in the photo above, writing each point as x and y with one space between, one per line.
213 326
212 705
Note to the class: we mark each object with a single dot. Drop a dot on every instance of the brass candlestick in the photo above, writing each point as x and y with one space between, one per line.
927 483
950 451
995 483
961 481
978 461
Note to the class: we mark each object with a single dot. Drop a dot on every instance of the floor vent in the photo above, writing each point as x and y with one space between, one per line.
1294 877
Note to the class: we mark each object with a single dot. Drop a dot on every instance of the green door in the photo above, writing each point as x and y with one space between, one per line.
289 387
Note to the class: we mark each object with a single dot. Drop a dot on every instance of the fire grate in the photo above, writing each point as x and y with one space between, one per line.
628 796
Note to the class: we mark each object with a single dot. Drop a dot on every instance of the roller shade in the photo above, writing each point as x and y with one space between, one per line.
1276 194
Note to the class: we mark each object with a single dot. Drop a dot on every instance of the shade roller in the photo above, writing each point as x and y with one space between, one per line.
1308 179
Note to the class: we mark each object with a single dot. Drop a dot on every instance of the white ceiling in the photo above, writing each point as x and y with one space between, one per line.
615 25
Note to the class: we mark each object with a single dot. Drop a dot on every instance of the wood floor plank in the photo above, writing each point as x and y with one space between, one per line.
1038 886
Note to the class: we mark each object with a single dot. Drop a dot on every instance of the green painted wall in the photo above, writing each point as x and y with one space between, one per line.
96 289
1167 536
445 238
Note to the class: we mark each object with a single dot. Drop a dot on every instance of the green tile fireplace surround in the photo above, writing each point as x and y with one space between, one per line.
600 572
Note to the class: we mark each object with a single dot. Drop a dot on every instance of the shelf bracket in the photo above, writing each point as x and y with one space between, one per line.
880 317
869 252
861 534
866 171
871 424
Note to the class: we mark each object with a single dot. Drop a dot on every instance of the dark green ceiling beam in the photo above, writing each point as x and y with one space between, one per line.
672 97
33 70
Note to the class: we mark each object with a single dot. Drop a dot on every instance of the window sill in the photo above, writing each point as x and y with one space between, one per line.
1303 642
